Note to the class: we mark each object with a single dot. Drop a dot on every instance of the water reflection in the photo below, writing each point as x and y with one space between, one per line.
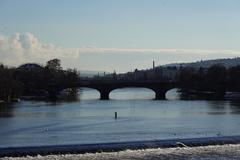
235 107
218 105
6 109
235 104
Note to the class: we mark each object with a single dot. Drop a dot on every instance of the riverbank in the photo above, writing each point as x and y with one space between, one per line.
116 147
216 152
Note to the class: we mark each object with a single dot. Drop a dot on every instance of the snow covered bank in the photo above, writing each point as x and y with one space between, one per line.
217 152
115 147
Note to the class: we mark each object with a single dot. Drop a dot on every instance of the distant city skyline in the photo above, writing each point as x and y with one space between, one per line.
108 35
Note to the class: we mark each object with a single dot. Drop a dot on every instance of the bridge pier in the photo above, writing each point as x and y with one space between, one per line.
160 94
104 95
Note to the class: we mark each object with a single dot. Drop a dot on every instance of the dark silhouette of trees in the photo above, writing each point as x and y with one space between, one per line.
10 87
216 79
207 80
54 64
71 77
191 79
186 77
216 74
234 78
48 80
32 80
55 75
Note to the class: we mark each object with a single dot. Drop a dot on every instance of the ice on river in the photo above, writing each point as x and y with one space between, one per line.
218 152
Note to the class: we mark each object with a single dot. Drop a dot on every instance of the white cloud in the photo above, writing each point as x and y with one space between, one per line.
160 51
25 47
20 48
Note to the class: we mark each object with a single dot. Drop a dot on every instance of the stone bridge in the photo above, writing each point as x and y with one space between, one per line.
105 87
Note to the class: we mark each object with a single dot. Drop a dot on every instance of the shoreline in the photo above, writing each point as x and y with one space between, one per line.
115 147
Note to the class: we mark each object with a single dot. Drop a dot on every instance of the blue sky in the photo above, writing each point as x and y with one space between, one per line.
124 26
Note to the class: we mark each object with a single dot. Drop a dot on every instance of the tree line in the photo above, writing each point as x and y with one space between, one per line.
37 81
216 79
24 81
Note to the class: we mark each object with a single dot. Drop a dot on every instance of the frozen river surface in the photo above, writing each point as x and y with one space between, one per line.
31 123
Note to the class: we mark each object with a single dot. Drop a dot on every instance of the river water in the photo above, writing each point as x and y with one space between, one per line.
90 120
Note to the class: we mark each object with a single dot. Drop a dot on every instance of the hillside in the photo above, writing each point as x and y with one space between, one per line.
227 62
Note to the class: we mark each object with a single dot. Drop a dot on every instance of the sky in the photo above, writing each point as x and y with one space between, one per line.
120 35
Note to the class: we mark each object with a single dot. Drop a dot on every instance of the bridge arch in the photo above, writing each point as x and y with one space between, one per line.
160 93
132 93
173 94
89 93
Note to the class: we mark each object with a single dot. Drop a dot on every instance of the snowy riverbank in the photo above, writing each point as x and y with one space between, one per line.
215 152
115 147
